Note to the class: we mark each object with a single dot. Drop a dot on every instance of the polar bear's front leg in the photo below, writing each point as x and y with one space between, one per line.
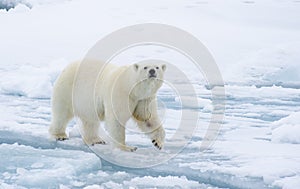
117 133
90 132
146 116
154 130
158 137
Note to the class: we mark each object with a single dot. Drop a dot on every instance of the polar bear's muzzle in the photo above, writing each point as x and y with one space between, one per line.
152 73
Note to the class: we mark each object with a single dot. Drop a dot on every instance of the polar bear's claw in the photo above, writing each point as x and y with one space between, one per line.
99 142
128 148
157 144
133 149
62 138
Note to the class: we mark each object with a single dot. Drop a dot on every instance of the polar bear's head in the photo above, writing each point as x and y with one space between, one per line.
150 72
149 77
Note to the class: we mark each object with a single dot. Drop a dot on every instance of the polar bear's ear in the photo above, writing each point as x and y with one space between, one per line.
164 67
136 67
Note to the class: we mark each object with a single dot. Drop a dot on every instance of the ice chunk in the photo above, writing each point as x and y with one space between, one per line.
287 130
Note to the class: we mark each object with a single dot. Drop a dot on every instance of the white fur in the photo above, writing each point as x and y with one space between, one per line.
121 93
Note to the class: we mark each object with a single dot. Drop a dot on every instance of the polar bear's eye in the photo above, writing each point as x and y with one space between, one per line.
157 68
145 68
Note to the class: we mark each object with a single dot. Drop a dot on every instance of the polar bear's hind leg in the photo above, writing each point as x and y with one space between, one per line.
59 124
90 132
62 110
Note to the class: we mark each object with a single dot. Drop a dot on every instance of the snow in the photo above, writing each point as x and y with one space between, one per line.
255 44
30 167
164 182
287 130
289 182
8 4
277 65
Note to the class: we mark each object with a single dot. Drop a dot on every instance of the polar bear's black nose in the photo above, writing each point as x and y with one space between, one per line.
152 71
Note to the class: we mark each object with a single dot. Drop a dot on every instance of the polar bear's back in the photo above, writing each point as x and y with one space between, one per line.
83 87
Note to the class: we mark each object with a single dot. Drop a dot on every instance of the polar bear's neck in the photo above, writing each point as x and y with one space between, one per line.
145 89
137 88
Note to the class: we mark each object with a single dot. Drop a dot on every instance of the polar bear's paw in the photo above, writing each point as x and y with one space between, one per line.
157 143
60 137
99 142
158 138
94 141
131 148
128 148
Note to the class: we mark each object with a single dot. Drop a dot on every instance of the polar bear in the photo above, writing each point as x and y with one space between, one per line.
117 94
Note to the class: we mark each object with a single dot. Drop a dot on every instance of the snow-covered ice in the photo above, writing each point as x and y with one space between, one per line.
287 130
255 44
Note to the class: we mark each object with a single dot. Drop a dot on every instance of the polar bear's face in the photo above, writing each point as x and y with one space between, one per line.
148 79
150 72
